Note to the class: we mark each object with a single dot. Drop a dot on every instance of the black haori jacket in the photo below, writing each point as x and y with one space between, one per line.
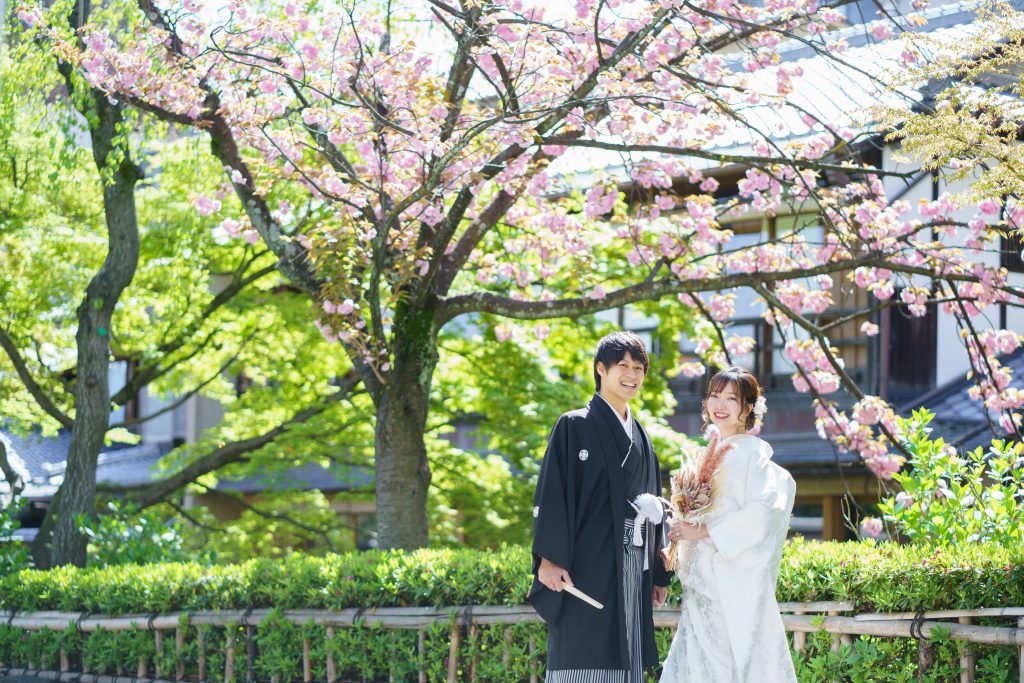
579 519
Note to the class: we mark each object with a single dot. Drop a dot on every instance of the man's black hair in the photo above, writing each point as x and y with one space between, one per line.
613 347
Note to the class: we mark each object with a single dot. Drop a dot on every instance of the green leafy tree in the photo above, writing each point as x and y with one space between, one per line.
106 258
969 127
949 497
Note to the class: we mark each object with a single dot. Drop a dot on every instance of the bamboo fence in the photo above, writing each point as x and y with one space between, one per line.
836 618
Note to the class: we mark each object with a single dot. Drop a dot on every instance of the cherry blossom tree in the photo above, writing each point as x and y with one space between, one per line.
493 158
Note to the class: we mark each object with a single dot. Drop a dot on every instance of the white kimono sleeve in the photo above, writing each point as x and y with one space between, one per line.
767 495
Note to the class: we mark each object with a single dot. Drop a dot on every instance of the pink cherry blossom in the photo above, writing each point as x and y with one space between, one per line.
375 141
205 206
990 206
881 30
692 369
871 526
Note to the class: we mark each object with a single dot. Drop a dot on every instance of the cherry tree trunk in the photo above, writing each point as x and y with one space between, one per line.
59 541
403 472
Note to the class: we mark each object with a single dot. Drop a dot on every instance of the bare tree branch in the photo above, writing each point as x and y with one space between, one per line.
236 451
11 475
25 375
189 394
155 369
486 302
737 159
823 344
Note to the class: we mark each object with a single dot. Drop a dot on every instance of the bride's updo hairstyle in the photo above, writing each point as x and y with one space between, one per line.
744 383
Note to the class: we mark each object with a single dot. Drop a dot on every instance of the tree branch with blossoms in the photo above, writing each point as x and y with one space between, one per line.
483 175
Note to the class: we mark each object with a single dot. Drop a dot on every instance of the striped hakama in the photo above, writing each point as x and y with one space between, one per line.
632 582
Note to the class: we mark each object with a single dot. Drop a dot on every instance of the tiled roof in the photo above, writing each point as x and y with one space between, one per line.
308 477
807 451
42 462
37 456
831 89
131 466
959 419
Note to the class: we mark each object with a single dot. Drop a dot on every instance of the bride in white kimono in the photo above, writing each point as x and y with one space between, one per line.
729 629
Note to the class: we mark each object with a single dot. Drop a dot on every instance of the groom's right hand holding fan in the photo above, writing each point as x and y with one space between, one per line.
552 576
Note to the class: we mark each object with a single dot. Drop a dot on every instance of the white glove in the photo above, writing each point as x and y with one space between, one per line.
647 507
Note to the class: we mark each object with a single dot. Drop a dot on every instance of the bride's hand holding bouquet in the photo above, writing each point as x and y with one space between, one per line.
692 495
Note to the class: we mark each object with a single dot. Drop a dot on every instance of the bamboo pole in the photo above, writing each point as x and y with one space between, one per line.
389 617
202 655
453 655
65 662
421 647
966 656
394 653
250 654
1020 648
179 653
532 662
945 614
799 637
506 648
332 672
159 636
141 671
307 662
229 658
820 606
988 635
835 638
79 678
473 651
925 658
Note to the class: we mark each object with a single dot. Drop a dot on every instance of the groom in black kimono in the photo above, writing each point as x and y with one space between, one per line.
598 461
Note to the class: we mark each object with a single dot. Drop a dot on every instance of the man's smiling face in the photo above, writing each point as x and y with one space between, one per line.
621 382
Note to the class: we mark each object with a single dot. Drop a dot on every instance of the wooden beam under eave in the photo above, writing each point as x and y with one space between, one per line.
864 487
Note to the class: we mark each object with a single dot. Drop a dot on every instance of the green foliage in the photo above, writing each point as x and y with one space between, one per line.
125 535
287 521
971 132
175 322
952 498
874 577
14 556
875 660
895 578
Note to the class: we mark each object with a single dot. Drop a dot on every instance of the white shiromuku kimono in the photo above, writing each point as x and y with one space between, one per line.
729 629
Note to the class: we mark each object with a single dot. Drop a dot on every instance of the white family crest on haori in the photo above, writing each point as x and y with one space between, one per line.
584 454
729 624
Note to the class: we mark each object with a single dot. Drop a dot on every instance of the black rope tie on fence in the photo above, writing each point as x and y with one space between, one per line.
917 625
467 615
244 621
82 616
10 619
152 618
358 615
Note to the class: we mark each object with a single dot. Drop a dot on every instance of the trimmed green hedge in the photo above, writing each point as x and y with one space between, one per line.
876 578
